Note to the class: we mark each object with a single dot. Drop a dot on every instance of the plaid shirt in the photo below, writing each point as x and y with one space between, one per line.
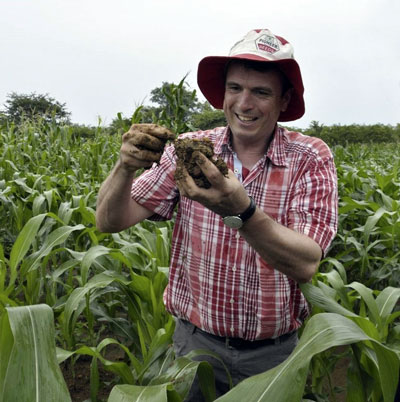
217 281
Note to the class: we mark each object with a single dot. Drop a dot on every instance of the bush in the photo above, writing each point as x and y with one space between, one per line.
354 134
82 131
20 107
208 118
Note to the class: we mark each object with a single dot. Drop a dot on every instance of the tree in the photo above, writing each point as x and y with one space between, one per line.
27 106
161 96
3 119
176 107
315 128
208 117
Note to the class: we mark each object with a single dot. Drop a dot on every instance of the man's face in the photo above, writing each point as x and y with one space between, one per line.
253 101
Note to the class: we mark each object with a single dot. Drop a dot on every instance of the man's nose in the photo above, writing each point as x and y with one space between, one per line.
245 101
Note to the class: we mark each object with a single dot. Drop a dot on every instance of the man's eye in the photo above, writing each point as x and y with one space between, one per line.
233 88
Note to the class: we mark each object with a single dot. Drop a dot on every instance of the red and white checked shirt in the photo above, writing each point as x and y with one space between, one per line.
216 280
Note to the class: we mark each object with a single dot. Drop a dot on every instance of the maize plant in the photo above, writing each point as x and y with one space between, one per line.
95 297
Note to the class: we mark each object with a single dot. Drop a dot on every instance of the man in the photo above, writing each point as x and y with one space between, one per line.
241 247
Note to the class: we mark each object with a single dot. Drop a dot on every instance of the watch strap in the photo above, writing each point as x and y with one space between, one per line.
248 213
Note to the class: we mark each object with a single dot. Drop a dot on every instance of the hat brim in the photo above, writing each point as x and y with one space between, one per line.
211 81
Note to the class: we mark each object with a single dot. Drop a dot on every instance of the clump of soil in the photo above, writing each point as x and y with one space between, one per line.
149 137
186 151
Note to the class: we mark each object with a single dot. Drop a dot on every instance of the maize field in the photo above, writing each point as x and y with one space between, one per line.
82 307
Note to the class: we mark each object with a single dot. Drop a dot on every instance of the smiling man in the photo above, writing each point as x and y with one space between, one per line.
254 99
241 247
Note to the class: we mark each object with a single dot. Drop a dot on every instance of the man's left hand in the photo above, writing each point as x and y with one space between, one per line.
226 196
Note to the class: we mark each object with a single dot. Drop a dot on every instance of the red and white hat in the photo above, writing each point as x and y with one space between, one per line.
258 45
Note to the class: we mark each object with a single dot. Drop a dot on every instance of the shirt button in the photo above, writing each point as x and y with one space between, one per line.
234 268
236 171
232 329
237 235
232 301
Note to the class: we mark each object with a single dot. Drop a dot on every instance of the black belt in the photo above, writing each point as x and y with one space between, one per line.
239 343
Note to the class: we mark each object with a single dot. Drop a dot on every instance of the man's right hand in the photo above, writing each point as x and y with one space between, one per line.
143 145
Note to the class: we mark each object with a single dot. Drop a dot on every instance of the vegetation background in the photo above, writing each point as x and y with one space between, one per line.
94 300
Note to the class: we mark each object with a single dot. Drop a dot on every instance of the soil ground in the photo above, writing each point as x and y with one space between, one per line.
339 378
78 377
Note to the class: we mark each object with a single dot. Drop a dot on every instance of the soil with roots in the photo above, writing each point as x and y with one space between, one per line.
187 151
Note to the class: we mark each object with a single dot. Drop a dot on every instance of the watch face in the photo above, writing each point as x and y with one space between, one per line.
233 222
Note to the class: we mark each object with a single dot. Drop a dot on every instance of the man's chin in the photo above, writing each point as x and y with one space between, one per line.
243 131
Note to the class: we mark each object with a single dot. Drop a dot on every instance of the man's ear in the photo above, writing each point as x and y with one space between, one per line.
286 97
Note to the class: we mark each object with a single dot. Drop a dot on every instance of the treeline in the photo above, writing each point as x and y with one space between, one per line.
354 133
178 108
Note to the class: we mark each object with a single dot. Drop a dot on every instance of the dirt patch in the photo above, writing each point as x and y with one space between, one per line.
339 378
77 376
77 379
187 151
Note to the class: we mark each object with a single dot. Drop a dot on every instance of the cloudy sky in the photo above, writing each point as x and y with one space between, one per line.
104 57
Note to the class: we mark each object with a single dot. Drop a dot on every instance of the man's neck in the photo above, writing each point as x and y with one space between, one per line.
250 153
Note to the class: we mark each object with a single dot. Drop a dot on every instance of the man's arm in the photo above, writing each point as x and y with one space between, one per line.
292 253
116 210
141 146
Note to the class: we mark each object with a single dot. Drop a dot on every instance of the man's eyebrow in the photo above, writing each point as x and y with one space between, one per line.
232 83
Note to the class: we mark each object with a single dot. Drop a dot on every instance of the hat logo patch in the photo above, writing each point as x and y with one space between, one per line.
267 43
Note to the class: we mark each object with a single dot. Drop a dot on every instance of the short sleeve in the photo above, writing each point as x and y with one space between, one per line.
156 190
314 207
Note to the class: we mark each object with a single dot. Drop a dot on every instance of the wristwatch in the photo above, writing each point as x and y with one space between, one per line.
237 221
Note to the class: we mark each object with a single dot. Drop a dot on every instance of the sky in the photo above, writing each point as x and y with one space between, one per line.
104 57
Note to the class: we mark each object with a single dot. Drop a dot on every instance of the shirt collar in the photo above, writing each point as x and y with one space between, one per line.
223 141
276 151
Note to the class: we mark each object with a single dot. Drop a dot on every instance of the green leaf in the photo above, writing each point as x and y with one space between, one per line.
37 204
322 299
317 297
286 381
119 368
141 285
109 341
76 301
135 393
142 340
182 372
372 221
338 265
6 346
368 298
206 379
63 354
355 390
28 366
159 346
387 367
3 269
88 259
55 238
23 243
94 379
387 300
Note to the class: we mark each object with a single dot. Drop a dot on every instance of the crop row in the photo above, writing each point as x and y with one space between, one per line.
105 291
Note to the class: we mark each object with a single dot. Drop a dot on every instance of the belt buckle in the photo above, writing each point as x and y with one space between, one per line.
228 343
234 343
